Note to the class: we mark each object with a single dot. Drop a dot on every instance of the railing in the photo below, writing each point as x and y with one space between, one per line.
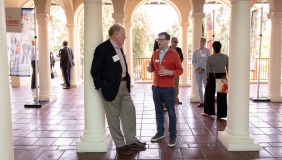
264 64
140 73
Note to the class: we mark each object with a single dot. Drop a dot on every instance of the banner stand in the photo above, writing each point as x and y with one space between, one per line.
37 103
259 99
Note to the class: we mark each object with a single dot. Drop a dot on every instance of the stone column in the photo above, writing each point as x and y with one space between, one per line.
197 34
128 50
274 79
95 136
184 46
72 44
79 69
236 136
6 134
44 59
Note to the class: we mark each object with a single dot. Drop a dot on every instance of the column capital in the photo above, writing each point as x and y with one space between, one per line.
185 24
43 18
275 17
70 26
118 17
240 1
197 16
93 1
127 25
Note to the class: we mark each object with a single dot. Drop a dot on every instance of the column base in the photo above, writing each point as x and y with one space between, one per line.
49 98
194 98
184 84
239 144
274 98
93 146
19 81
75 84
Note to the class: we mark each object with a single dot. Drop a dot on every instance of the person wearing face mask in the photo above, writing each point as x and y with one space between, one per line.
166 64
199 60
112 81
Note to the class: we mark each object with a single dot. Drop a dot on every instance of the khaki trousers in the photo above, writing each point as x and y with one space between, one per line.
121 109
176 88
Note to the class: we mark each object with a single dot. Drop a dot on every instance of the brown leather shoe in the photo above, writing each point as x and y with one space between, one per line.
124 150
137 144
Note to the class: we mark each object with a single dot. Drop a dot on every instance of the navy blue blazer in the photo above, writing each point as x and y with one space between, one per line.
105 72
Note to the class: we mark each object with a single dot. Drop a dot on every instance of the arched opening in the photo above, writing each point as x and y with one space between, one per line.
57 33
216 24
148 20
260 41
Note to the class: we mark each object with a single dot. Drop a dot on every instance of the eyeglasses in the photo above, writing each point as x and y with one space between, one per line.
161 40
175 41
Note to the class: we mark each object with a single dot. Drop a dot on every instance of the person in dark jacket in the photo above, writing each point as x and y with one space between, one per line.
111 79
173 44
66 62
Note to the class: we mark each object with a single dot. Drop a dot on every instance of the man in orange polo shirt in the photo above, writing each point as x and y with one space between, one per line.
166 64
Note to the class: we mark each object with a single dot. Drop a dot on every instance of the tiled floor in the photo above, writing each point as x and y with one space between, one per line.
52 131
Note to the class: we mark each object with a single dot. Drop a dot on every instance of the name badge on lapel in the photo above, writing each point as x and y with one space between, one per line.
115 58
157 61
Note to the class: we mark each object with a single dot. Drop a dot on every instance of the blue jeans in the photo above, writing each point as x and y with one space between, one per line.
165 96
200 79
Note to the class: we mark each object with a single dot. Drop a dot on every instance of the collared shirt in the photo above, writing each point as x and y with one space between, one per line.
120 56
162 54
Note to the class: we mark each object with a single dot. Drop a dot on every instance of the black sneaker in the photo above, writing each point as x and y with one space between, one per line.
157 137
172 142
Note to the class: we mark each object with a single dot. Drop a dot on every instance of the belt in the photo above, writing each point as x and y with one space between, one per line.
123 79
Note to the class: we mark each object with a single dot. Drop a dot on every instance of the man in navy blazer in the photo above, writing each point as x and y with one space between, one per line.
111 79
66 62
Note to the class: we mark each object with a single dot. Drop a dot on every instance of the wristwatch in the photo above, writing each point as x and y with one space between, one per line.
171 72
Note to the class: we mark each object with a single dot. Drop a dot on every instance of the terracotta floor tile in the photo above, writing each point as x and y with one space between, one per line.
45 141
54 133
192 153
30 154
36 134
170 153
51 155
214 153
26 141
149 154
70 155
110 154
262 153
63 141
